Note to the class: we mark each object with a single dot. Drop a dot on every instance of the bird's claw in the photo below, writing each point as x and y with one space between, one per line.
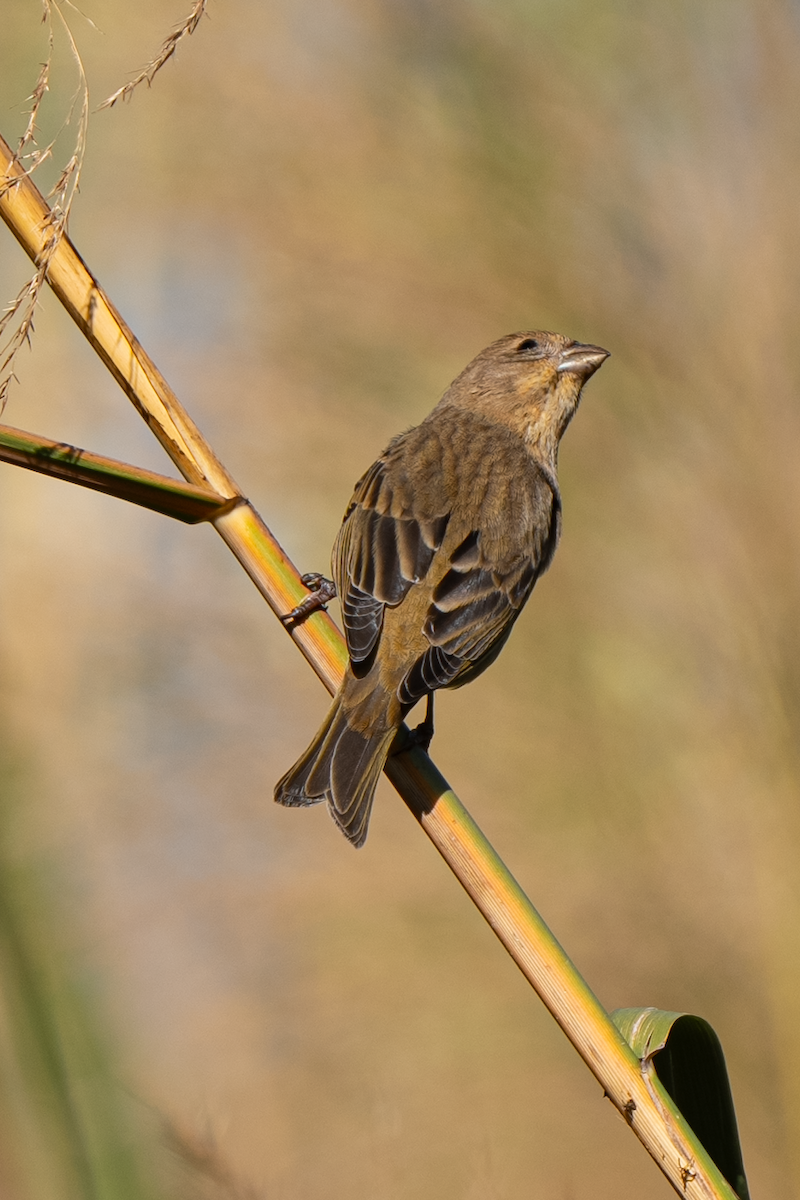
421 735
321 590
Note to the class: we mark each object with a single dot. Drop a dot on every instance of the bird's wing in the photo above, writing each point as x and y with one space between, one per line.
483 590
382 549
395 527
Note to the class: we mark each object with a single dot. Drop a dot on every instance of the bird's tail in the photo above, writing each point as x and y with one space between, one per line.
343 767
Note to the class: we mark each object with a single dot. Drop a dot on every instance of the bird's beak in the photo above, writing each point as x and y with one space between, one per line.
581 359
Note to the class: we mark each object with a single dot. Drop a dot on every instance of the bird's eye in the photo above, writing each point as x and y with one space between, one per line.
527 344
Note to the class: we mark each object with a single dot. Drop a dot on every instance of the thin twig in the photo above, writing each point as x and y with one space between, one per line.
148 73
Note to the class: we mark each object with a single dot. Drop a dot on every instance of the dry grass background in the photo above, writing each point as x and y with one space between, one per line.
313 220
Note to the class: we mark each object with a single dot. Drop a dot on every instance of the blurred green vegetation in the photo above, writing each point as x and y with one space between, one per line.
313 219
68 1130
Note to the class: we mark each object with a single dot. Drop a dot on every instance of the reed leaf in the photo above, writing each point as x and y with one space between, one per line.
183 501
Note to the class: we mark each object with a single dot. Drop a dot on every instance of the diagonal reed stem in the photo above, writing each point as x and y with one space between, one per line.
632 1087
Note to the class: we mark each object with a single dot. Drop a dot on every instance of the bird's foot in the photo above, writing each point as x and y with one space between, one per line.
321 590
421 735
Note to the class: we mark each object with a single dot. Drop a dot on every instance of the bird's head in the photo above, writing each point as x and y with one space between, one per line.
530 382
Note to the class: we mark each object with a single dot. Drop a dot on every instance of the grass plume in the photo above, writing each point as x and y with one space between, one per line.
184 28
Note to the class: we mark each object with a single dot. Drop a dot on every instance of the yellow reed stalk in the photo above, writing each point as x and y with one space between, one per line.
632 1086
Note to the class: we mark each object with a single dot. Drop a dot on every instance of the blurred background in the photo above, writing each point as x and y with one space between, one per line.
316 216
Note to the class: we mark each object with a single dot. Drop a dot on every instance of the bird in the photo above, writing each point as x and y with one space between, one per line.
440 547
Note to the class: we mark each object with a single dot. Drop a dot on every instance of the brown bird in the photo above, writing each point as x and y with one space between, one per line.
440 547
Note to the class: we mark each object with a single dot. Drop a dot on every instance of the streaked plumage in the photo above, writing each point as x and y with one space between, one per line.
440 547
